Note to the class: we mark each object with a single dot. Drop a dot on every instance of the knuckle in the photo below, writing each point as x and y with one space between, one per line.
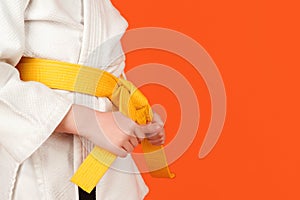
120 143
122 155
130 150
161 134
124 138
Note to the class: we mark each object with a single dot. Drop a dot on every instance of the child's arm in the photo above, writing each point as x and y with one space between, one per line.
109 130
29 111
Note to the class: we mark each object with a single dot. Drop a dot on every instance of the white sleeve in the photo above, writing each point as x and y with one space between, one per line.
29 111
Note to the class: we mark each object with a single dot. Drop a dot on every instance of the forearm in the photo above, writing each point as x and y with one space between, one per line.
110 130
68 124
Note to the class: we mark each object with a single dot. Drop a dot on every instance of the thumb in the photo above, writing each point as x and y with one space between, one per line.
148 130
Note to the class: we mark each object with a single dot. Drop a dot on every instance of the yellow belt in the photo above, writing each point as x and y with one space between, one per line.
123 94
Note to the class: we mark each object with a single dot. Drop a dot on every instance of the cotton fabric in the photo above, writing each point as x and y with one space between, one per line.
36 162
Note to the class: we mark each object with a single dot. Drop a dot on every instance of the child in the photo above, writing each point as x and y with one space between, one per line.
41 143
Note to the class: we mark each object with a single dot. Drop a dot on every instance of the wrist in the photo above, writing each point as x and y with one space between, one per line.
68 125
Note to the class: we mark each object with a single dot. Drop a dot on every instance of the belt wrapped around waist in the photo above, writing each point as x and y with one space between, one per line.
122 93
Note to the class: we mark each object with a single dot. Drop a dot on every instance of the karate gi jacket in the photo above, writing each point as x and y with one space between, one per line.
35 162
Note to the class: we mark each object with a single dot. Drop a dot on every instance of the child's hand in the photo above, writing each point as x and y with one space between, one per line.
158 137
109 130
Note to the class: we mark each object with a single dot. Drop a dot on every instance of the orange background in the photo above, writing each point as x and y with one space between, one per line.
255 44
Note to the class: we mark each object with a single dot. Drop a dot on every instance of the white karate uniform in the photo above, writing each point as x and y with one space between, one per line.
35 162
